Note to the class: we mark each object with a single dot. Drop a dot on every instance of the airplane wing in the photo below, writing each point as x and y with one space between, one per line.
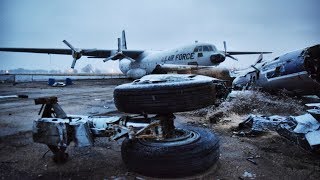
244 53
91 53
178 67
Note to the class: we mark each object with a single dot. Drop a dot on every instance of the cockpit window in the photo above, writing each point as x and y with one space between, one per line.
195 49
204 48
214 48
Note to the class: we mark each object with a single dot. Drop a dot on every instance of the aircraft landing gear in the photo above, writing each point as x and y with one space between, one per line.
154 146
182 150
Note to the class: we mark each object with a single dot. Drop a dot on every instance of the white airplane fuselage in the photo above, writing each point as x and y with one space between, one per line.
199 54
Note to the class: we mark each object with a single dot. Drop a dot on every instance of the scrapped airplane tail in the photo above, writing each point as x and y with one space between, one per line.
123 40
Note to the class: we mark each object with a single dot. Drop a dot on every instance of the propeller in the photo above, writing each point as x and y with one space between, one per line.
76 53
226 53
119 55
259 60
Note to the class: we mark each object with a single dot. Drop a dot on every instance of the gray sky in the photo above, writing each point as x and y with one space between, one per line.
246 25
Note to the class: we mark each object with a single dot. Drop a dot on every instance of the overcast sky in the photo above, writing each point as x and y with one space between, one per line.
246 25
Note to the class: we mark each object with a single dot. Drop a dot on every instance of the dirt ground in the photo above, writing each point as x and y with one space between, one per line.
20 158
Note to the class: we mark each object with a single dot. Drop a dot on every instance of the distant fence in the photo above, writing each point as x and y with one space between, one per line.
12 78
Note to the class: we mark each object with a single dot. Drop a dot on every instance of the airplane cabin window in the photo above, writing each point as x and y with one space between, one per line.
195 49
210 48
214 48
205 48
199 48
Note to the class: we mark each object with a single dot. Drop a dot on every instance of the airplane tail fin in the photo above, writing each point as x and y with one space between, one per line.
123 40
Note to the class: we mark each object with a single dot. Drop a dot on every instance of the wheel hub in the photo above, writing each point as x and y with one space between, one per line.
180 137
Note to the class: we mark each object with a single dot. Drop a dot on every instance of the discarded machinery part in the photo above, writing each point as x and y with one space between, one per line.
191 150
162 94
14 96
306 123
58 84
59 154
286 131
257 124
315 112
50 131
252 161
142 133
59 132
312 62
296 72
303 130
82 133
50 107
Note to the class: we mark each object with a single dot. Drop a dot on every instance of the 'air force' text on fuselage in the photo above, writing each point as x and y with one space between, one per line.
185 56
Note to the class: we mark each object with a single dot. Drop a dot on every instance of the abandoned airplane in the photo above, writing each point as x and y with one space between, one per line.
297 72
138 63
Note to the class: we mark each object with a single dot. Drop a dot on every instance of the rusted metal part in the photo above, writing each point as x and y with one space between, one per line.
252 161
303 130
46 100
167 125
149 131
50 107
51 131
57 130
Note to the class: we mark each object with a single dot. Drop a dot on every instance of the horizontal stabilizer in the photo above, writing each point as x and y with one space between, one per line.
244 53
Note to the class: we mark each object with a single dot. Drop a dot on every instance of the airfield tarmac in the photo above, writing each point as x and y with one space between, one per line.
20 158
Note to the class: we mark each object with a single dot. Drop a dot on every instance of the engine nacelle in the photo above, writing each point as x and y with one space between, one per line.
136 73
76 55
124 65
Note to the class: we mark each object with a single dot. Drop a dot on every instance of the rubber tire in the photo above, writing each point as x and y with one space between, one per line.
166 97
171 160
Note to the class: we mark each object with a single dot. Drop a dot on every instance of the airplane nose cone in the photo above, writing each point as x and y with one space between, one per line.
217 58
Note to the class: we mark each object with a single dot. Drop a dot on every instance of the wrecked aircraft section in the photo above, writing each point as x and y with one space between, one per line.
149 139
297 72
274 156
303 130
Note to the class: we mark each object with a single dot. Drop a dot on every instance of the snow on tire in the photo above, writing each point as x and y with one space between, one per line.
163 94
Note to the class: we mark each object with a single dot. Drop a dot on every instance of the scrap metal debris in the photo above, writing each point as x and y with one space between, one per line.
251 159
304 130
248 175
14 96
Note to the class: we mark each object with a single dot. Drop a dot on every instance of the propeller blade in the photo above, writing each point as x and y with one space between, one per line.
73 63
231 57
117 56
119 45
108 58
123 39
259 60
69 45
225 47
255 68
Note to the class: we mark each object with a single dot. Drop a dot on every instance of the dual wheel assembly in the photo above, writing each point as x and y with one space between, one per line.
184 150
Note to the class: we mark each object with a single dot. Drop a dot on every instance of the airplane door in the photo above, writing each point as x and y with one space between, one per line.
199 53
